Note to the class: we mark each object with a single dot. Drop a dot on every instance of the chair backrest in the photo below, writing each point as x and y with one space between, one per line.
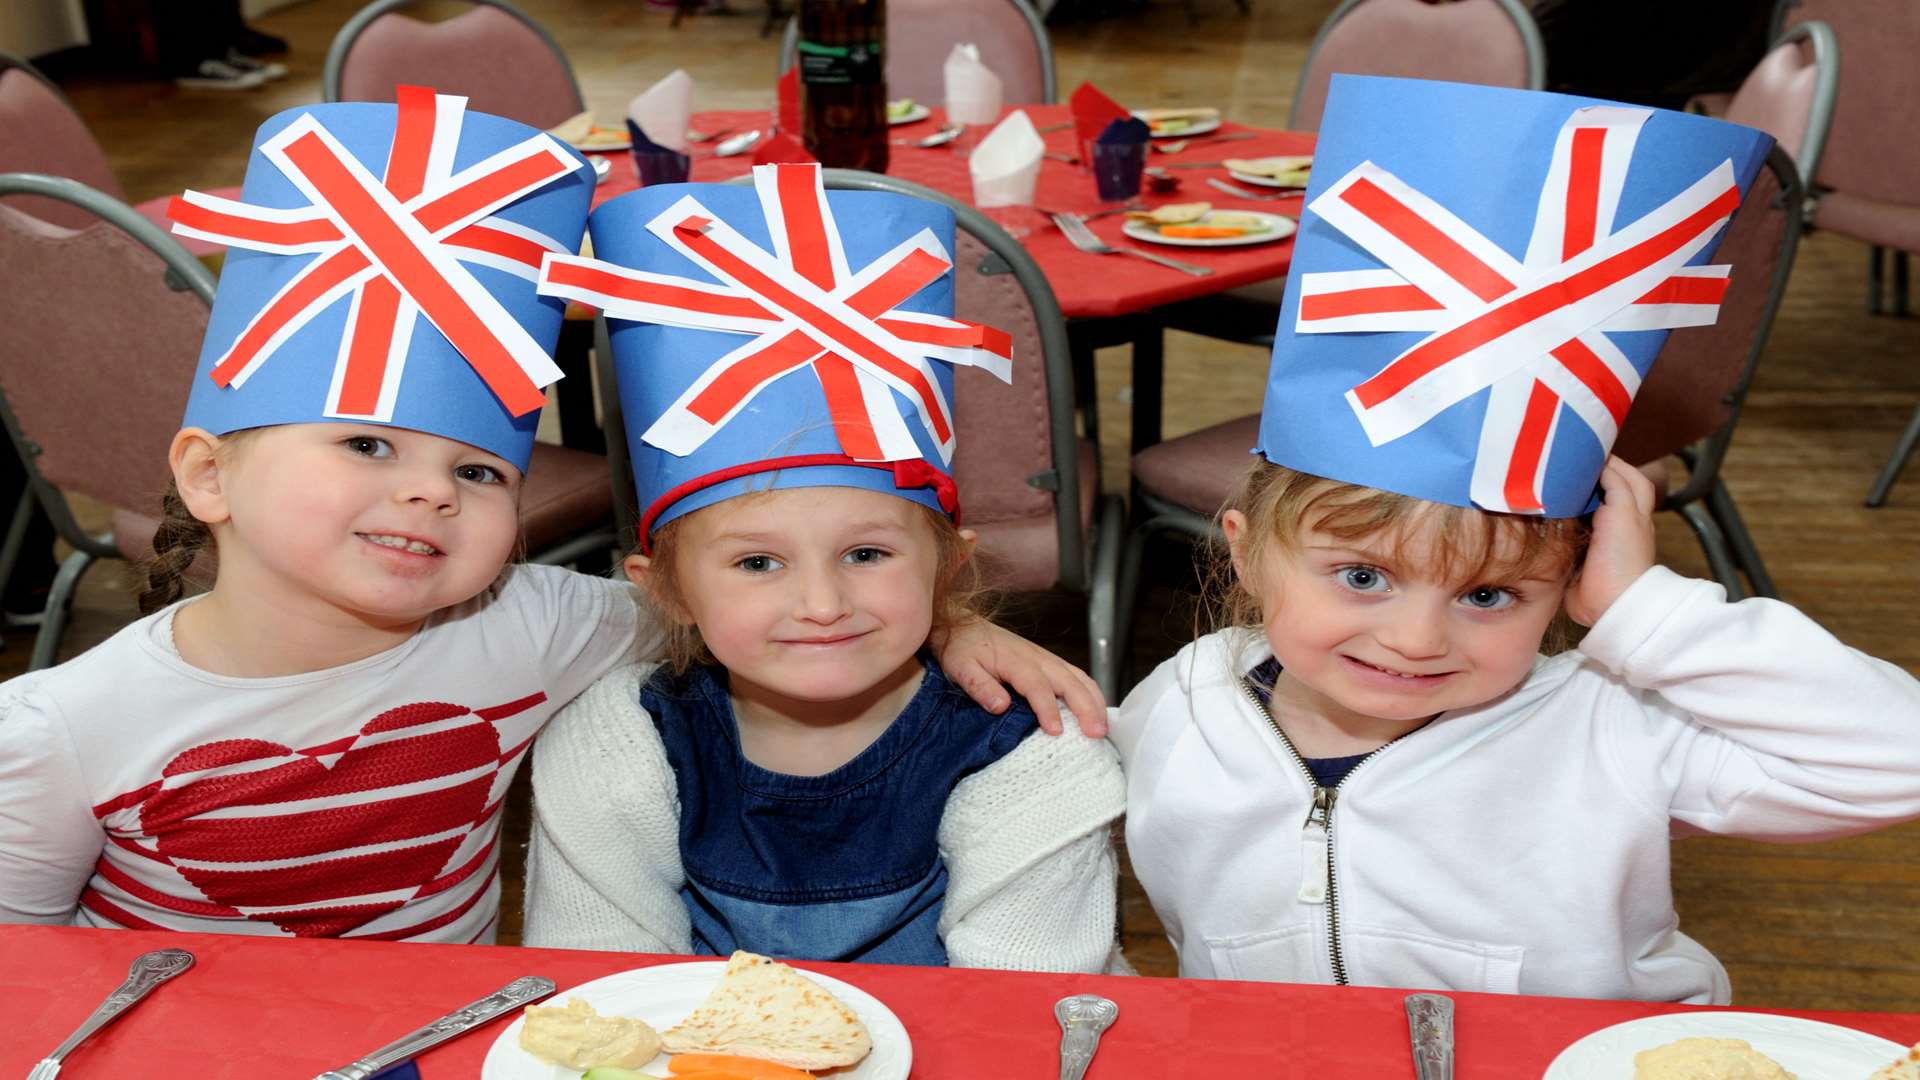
1696 389
1790 94
492 53
1490 42
41 133
1013 44
1873 150
101 347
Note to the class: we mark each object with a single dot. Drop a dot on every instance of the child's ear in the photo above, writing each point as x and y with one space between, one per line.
1234 524
640 570
195 460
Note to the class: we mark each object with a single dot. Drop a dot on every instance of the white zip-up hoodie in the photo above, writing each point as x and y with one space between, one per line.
1520 846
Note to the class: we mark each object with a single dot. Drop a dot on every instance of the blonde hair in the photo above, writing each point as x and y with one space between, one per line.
958 596
1459 544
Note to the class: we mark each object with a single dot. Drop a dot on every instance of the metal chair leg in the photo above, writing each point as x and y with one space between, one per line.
16 535
59 600
1897 461
1900 283
1876 277
1105 644
1725 514
1714 543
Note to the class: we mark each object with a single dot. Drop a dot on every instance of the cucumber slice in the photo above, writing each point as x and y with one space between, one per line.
614 1072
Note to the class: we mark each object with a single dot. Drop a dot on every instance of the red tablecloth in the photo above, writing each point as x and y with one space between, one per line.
1088 286
269 1009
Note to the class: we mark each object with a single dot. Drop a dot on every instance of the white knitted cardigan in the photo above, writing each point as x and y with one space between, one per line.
1027 843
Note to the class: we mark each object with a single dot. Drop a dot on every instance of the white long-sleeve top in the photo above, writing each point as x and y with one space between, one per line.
1027 843
1520 846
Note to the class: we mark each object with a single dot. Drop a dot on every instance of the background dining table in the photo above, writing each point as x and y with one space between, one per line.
1108 300
256 1008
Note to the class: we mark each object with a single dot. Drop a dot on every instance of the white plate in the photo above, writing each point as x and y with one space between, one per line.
664 995
1196 127
1809 1049
918 112
604 146
1278 228
601 167
1260 181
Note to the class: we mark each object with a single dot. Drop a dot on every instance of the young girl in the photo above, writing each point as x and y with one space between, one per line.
320 745
1374 777
802 778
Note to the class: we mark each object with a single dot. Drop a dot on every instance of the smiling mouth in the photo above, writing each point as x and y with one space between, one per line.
400 543
840 640
1412 677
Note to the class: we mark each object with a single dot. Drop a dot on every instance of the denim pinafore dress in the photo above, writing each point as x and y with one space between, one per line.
842 866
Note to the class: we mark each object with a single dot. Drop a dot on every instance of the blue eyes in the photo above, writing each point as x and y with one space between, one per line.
758 564
1364 579
1372 581
380 449
863 556
1488 598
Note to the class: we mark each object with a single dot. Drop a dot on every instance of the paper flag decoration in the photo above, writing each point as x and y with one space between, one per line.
1092 112
780 336
1481 279
381 270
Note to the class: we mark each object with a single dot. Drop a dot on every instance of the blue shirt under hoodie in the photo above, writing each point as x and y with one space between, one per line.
842 866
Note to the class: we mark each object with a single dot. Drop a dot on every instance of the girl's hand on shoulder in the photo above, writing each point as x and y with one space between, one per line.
1622 545
979 656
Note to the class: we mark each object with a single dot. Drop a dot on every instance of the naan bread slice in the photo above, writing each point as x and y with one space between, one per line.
765 1009
573 129
1907 1067
1172 213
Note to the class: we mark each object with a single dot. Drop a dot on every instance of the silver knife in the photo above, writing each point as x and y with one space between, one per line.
521 991
1430 1027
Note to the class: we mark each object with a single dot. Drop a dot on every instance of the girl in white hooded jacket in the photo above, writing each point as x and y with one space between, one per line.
1390 786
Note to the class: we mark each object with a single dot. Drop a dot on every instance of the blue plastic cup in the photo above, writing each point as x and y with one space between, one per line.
658 165
1117 167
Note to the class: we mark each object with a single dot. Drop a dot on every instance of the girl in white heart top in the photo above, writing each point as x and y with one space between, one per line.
1389 786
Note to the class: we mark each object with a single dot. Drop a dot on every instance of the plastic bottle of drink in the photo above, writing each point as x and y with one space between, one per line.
843 82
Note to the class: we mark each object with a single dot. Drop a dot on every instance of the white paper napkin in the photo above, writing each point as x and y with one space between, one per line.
973 92
662 110
1006 164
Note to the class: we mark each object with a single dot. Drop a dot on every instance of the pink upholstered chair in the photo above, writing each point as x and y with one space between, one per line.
41 133
1688 406
1013 43
1029 484
493 53
1868 182
1490 42
92 402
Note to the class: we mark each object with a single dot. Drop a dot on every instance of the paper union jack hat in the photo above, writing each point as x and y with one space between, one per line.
1481 279
381 269
780 336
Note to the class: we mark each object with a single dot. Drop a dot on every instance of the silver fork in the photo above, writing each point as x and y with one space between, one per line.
1080 236
147 971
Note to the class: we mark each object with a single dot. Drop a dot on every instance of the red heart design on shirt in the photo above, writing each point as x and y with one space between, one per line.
370 821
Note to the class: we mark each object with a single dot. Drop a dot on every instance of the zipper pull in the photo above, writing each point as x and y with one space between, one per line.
1315 871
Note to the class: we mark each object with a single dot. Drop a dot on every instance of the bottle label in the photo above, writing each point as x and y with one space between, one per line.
840 65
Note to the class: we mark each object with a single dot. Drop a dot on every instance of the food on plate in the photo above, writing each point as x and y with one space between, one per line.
1175 121
1172 213
900 107
576 1036
1905 1067
732 1065
615 1072
580 132
762 1008
1707 1059
1286 171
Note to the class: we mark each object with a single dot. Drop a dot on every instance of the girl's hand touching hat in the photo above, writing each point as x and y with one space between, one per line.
1622 545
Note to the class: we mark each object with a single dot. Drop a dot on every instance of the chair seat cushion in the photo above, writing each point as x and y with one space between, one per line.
1887 224
1023 554
1198 471
567 492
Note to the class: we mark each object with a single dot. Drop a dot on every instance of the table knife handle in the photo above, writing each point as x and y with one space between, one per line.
521 991
1430 1027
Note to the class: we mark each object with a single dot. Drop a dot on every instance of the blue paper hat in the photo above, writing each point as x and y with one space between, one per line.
381 270
780 336
1481 279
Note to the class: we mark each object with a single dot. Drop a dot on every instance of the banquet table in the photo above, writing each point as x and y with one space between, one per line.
1107 299
287 1009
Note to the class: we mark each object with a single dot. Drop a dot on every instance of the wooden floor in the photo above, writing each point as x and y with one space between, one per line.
1832 925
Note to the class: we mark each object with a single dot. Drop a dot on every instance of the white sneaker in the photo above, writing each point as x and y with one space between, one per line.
220 75
268 69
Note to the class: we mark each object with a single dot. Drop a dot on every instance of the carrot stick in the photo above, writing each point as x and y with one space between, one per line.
733 1065
1200 232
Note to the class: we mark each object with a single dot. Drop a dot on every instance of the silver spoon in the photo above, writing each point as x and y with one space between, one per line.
147 971
737 144
939 138
703 136
1082 1018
